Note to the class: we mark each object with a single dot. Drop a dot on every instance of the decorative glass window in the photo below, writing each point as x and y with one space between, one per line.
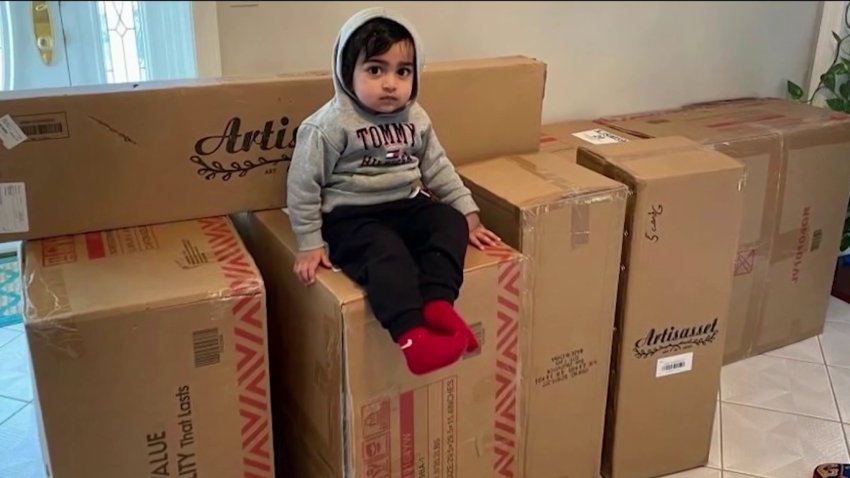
123 41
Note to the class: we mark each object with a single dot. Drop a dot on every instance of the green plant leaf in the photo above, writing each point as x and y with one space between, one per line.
839 68
844 89
836 104
794 90
828 80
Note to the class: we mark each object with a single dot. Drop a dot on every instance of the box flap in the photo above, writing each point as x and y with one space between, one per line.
277 223
136 268
775 113
572 134
534 179
335 282
727 120
658 158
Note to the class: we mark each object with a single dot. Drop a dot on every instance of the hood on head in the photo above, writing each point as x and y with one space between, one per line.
348 29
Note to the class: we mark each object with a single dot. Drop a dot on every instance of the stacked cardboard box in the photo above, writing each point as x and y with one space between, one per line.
182 305
798 184
673 301
568 220
342 393
149 353
578 318
125 155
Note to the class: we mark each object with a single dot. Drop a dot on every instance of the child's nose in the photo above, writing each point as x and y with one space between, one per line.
389 84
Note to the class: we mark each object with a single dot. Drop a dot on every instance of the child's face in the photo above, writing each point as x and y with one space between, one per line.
384 82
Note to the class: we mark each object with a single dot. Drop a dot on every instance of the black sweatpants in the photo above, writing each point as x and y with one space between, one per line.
403 253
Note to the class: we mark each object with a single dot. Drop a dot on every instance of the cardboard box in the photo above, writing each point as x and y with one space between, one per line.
798 184
569 135
349 404
673 301
145 153
148 350
568 220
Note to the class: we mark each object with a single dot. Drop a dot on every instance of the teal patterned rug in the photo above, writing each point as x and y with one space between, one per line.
10 291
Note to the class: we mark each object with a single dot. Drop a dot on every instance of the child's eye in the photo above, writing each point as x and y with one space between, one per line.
374 70
403 72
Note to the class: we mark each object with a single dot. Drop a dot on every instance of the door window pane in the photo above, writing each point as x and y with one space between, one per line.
123 41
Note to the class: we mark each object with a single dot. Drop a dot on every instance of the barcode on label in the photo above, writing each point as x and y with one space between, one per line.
675 364
42 128
207 345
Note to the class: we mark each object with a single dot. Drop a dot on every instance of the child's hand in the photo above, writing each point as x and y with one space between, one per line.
306 263
480 236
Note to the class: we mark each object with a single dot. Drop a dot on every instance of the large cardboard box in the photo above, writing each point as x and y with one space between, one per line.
346 402
145 153
798 184
568 220
148 350
569 135
682 228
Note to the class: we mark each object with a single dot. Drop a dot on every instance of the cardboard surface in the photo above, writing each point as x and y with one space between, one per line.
149 353
569 221
673 301
798 184
126 155
346 402
569 135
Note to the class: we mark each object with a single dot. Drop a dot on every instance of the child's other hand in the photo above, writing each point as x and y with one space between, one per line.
480 236
306 263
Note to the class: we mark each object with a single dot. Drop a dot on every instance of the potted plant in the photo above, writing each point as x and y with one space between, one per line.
834 83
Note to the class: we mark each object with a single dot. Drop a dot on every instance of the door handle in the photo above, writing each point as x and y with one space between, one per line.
43 29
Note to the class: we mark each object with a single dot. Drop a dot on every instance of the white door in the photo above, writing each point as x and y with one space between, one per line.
47 44
21 66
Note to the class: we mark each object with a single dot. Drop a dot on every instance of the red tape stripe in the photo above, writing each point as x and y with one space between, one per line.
250 345
507 336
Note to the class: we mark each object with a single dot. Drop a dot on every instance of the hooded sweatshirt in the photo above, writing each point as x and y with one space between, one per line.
348 155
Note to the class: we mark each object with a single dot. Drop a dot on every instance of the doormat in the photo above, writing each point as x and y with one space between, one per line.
10 290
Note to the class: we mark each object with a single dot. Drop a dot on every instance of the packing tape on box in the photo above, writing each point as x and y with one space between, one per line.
580 209
616 163
599 151
54 327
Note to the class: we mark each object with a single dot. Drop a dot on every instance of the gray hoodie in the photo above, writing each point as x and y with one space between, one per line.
346 155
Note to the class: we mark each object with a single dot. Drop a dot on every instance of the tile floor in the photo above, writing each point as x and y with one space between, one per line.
782 413
779 414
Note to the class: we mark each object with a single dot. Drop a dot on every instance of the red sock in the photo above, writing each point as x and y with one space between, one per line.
441 315
426 351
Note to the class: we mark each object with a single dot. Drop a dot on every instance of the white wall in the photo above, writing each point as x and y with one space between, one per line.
832 20
604 57
207 44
